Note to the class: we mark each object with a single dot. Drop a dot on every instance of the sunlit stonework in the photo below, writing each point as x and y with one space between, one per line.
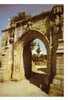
16 59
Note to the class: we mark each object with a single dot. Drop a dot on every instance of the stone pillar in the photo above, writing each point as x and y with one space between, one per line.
57 86
18 71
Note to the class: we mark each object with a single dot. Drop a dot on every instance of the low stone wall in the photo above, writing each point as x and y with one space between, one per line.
5 63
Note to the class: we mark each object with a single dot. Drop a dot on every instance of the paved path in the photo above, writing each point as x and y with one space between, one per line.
39 68
20 88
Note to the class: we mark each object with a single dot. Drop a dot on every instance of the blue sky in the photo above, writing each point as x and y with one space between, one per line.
7 11
42 47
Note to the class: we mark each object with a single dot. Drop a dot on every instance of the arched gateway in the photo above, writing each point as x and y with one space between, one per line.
22 47
27 56
48 27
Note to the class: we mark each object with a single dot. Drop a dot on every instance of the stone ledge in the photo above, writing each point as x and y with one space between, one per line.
59 77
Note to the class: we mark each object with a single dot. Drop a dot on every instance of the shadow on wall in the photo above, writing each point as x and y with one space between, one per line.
27 59
40 80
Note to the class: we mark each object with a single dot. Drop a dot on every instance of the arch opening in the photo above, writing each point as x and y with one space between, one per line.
36 72
35 58
29 58
39 57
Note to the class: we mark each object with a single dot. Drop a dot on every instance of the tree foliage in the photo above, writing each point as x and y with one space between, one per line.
33 44
38 49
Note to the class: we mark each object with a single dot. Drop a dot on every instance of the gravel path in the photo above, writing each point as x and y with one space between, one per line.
20 88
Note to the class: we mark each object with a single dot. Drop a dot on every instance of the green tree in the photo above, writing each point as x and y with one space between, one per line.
33 44
38 49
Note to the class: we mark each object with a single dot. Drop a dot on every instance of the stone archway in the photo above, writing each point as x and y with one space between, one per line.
27 56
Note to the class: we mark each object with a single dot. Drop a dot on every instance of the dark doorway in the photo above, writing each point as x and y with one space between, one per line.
27 59
35 65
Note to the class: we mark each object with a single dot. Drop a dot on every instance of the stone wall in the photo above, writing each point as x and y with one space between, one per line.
6 63
18 69
57 86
